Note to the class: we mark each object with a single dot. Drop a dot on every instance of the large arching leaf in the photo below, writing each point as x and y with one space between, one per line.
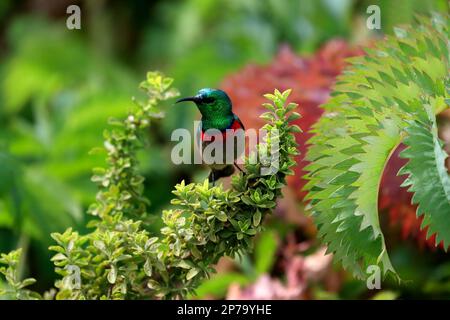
428 178
371 112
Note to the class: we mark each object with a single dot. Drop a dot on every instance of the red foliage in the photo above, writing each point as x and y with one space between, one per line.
312 79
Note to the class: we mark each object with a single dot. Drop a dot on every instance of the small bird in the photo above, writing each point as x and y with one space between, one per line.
217 113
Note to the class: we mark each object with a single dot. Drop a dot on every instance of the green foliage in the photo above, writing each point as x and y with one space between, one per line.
120 259
56 96
428 177
58 87
251 266
50 115
16 288
387 97
265 252
244 31
403 11
218 284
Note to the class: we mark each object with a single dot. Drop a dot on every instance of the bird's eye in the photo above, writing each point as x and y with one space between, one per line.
208 100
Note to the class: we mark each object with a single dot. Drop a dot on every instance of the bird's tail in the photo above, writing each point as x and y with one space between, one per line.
216 174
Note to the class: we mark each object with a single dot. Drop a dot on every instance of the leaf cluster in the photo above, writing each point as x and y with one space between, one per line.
120 259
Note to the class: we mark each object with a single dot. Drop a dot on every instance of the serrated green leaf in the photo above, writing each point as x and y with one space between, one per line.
366 120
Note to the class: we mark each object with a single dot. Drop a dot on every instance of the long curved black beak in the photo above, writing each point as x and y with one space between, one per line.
193 99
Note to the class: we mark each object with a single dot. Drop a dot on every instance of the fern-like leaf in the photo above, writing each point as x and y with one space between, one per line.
428 178
373 106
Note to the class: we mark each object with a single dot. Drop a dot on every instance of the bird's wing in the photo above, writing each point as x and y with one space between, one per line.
236 118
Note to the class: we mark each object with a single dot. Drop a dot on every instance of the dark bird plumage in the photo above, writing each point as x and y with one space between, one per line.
217 113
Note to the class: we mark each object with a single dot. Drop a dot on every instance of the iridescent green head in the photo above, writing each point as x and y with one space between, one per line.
215 107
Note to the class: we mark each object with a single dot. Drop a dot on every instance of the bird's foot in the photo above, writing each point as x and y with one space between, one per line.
235 164
211 178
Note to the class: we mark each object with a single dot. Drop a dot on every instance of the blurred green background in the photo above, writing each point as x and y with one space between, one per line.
58 87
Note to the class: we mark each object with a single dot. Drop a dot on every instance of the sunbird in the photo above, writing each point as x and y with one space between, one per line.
217 113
